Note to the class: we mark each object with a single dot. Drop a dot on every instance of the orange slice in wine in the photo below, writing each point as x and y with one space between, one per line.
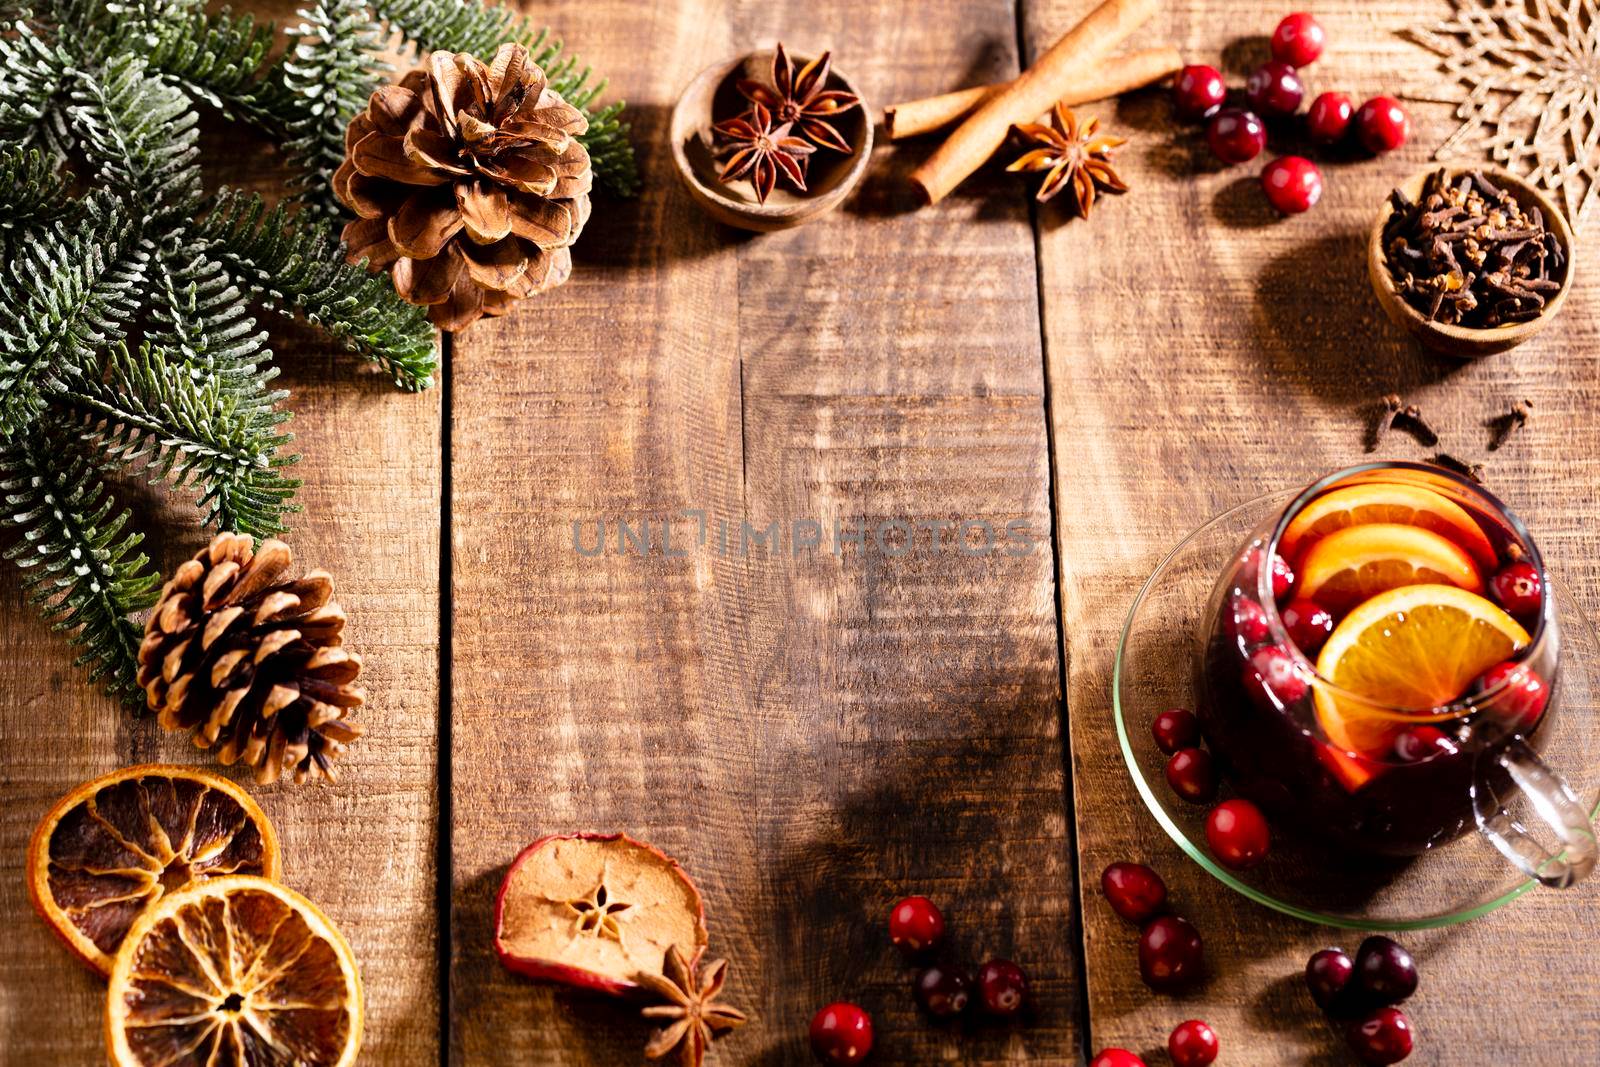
238 971
1408 651
115 845
1388 503
1350 565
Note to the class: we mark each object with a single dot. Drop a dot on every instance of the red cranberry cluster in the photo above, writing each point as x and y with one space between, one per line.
1192 1043
1171 957
842 1033
1361 994
1274 90
943 988
1235 829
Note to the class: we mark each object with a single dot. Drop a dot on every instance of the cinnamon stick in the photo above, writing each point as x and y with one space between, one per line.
1030 96
1101 81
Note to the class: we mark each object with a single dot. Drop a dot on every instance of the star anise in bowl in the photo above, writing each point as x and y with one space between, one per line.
1071 154
803 99
760 151
787 120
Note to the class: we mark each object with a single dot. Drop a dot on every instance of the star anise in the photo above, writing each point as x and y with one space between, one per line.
761 151
801 99
1074 155
692 1016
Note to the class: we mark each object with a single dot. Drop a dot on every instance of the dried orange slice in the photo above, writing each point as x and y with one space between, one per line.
114 845
1350 565
1385 502
1415 648
237 971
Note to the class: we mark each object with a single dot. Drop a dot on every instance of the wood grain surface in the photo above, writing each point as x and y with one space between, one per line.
364 848
1202 352
815 733
812 734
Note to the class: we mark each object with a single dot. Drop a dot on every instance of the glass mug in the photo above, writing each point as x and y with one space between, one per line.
1424 775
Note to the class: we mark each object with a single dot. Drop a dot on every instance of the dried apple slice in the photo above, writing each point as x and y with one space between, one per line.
595 911
115 845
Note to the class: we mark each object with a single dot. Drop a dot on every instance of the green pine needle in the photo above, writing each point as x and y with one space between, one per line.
302 273
174 422
218 58
321 84
66 293
36 195
79 567
141 132
127 335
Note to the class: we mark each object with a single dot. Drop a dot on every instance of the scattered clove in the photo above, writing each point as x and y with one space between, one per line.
1390 407
1501 427
1467 253
1459 466
1407 418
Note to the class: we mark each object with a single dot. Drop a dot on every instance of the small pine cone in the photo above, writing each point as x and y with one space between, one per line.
469 184
251 662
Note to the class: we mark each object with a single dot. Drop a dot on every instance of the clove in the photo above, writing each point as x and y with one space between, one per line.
1501 427
1396 414
1459 466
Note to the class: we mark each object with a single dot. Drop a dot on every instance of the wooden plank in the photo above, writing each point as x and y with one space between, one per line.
811 734
1201 352
363 849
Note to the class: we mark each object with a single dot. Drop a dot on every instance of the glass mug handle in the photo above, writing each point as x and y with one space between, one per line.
1560 810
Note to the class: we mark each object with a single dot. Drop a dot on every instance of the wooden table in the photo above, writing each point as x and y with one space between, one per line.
816 734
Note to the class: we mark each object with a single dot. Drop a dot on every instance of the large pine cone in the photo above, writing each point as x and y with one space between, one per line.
469 183
251 662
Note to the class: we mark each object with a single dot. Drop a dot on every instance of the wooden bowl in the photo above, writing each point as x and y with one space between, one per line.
1461 341
829 178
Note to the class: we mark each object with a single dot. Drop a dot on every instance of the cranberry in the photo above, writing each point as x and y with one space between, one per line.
1116 1057
943 990
1274 89
1134 891
1282 577
1170 953
1175 729
1308 623
1519 589
1190 774
1247 620
1198 91
1293 184
1003 987
1418 744
841 1033
1381 1037
1192 1044
1328 974
1522 693
1249 571
1298 40
1236 136
1385 971
1238 834
915 925
1329 117
1273 675
1382 124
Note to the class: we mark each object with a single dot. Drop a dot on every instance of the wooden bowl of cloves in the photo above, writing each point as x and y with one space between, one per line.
1470 260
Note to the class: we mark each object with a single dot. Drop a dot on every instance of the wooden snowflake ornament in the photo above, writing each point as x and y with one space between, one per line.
1524 76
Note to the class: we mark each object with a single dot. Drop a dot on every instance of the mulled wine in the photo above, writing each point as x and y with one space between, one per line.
1377 656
